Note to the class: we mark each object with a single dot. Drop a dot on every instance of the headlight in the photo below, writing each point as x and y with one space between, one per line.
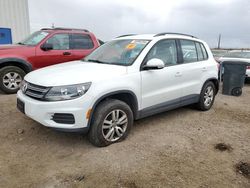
60 93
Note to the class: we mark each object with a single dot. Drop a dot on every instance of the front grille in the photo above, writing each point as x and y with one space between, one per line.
63 118
35 91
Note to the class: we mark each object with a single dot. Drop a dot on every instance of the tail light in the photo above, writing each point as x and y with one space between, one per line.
248 67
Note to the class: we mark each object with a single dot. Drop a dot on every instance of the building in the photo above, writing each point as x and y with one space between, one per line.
14 15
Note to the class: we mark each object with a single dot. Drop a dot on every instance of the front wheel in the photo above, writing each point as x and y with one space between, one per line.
207 96
10 79
111 123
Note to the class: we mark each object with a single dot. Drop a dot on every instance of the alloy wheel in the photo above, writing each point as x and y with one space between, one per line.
208 96
12 80
114 125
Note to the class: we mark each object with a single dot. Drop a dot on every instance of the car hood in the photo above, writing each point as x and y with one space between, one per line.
74 72
11 46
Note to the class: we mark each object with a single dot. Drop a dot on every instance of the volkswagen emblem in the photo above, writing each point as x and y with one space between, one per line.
24 87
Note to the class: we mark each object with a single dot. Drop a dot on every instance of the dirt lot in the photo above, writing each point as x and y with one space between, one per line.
173 149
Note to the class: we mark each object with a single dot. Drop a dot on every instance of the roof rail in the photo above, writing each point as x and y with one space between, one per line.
169 33
64 28
126 35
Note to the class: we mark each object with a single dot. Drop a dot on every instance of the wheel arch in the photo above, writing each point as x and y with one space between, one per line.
215 82
23 64
126 96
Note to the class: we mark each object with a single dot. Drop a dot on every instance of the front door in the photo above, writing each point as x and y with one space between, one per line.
60 53
162 87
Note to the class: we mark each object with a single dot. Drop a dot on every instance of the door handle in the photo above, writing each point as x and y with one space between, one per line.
66 53
178 74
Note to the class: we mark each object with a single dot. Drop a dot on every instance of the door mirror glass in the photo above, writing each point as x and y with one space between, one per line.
154 64
47 47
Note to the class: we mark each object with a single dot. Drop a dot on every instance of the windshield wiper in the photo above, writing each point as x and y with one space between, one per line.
20 43
97 61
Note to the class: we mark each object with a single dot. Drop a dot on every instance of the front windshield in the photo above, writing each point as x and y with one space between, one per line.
35 38
238 55
118 52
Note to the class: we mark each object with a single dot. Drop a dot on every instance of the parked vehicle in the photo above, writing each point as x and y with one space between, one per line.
42 48
217 53
123 80
237 56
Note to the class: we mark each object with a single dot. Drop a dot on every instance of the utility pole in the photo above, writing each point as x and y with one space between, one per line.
219 41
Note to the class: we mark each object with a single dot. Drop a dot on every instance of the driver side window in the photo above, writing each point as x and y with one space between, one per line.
59 41
164 50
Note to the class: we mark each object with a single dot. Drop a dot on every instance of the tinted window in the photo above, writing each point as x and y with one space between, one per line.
199 51
204 51
164 50
59 41
189 51
80 41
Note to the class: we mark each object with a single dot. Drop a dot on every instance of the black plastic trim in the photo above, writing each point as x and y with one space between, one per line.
171 33
169 105
217 85
25 64
135 103
63 118
77 130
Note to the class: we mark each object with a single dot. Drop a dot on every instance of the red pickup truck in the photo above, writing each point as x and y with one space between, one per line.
42 48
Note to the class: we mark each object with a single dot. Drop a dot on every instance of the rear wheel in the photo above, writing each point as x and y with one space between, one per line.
207 96
111 123
10 79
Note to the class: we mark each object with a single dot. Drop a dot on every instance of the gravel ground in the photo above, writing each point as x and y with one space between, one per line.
172 149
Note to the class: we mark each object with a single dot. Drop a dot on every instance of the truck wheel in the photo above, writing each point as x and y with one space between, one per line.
111 123
207 96
10 79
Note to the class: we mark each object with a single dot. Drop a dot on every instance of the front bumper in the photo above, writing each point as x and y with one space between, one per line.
43 111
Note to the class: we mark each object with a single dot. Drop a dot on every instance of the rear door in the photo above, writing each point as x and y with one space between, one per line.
193 67
60 53
81 45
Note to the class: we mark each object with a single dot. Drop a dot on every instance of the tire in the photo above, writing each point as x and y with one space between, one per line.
206 100
104 123
10 79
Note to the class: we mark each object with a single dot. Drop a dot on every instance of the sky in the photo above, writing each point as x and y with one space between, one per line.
108 19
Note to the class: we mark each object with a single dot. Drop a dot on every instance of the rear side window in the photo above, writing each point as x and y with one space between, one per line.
204 51
81 41
199 51
189 51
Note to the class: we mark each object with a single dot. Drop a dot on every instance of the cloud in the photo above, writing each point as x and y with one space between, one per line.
108 19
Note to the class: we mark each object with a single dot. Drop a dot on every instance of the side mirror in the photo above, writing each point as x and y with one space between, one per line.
154 64
47 47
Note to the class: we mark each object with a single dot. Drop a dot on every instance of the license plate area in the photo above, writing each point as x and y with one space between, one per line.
20 106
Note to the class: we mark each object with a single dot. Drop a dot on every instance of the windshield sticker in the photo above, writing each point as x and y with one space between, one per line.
130 46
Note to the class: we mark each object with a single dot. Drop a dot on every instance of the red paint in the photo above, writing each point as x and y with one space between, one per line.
39 58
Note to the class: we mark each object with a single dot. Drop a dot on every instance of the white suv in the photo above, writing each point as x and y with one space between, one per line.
126 79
